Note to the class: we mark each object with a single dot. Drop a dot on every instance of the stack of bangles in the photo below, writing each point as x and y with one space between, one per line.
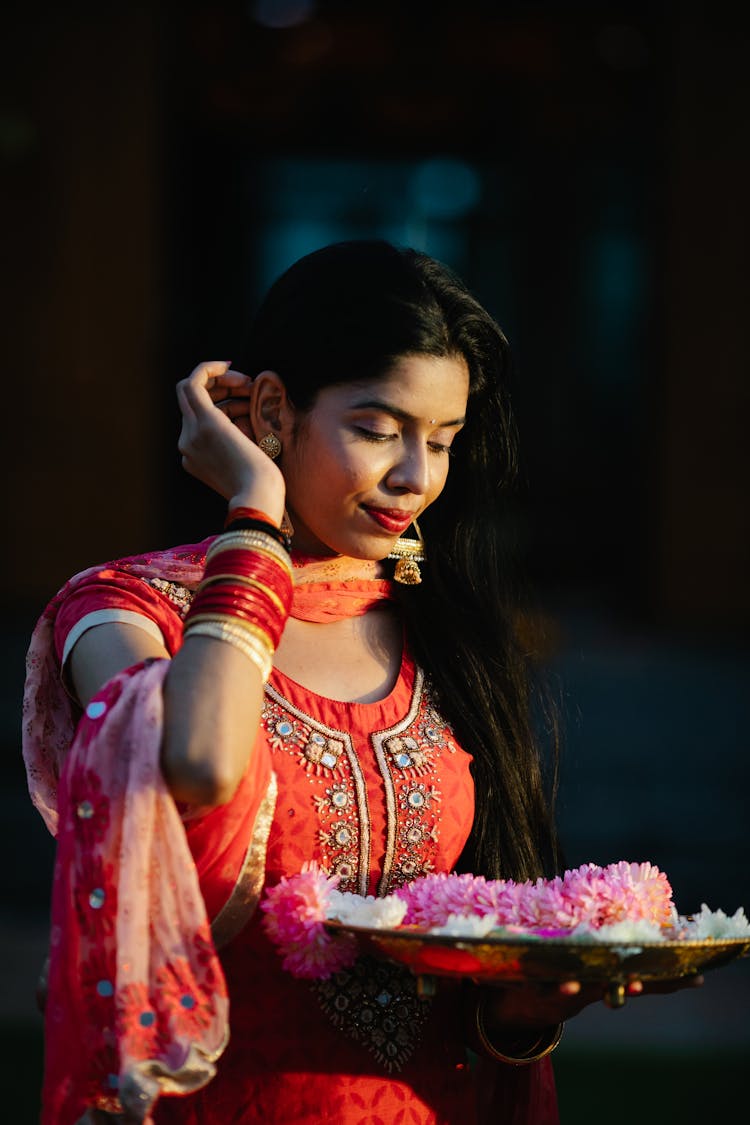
246 592
517 1053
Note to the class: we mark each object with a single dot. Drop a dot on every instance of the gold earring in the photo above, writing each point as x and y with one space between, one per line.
287 528
408 553
270 445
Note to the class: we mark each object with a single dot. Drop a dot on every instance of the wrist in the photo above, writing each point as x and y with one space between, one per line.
263 499
253 519
516 1046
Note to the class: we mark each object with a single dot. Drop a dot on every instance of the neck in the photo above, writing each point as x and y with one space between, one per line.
334 568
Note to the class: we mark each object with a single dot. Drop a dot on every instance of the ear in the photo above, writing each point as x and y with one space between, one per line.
271 410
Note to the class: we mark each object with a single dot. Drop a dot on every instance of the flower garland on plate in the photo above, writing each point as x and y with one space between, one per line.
622 902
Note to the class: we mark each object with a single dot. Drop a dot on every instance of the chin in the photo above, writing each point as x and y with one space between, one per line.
355 545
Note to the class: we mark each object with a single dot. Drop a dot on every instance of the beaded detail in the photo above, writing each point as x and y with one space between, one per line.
318 748
376 1004
180 596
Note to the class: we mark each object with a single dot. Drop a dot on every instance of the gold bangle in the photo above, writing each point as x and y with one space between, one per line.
250 541
230 627
252 647
229 620
544 1044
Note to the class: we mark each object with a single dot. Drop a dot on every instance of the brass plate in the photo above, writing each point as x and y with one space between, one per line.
548 959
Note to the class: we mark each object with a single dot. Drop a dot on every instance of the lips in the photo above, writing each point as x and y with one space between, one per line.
390 519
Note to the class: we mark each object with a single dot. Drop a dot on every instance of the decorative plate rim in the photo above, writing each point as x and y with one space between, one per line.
450 941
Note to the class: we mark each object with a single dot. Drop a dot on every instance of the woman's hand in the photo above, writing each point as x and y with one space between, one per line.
216 443
543 1005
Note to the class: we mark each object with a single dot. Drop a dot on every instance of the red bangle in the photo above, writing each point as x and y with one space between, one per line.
243 561
238 583
230 599
240 513
248 584
247 620
241 604
260 568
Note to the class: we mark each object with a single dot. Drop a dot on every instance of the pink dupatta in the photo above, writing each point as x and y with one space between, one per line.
136 1003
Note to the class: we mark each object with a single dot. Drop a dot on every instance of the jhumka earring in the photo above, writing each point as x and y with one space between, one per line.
270 445
287 527
408 553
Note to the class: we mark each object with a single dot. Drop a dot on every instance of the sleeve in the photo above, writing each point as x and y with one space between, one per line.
113 595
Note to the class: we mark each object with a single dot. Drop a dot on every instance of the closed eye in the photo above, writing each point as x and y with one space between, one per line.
374 435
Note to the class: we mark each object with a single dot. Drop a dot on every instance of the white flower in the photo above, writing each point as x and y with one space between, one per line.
631 931
717 925
374 913
466 926
620 933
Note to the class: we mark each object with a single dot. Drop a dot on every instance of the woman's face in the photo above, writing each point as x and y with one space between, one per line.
371 456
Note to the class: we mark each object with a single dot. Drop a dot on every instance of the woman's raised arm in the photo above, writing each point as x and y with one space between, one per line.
212 693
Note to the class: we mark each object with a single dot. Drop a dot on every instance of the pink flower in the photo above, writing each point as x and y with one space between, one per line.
589 896
296 909
597 896
432 899
643 892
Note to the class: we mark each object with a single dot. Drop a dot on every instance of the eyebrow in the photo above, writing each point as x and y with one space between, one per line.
397 412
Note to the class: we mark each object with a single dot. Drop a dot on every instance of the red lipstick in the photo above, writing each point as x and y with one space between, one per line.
394 520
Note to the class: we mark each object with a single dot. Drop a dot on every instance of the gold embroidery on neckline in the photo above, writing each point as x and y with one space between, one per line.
343 809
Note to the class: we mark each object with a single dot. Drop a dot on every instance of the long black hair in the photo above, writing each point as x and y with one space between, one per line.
347 312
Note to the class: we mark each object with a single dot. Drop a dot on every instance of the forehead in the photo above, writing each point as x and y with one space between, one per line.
426 387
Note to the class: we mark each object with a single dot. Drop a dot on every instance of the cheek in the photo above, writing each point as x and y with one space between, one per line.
357 469
438 478
332 478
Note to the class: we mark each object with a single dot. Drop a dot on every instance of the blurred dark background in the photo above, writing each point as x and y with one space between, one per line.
585 168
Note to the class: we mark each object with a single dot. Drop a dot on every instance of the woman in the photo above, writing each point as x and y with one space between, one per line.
239 714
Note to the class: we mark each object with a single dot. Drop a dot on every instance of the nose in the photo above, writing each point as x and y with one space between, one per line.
411 472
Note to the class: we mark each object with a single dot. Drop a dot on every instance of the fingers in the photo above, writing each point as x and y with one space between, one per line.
211 369
674 985
233 407
636 987
205 374
230 384
183 401
193 392
549 1002
219 379
214 384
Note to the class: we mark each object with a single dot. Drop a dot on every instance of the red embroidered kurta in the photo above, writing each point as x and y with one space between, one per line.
379 794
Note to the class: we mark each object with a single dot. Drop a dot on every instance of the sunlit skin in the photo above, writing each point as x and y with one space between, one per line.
373 455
